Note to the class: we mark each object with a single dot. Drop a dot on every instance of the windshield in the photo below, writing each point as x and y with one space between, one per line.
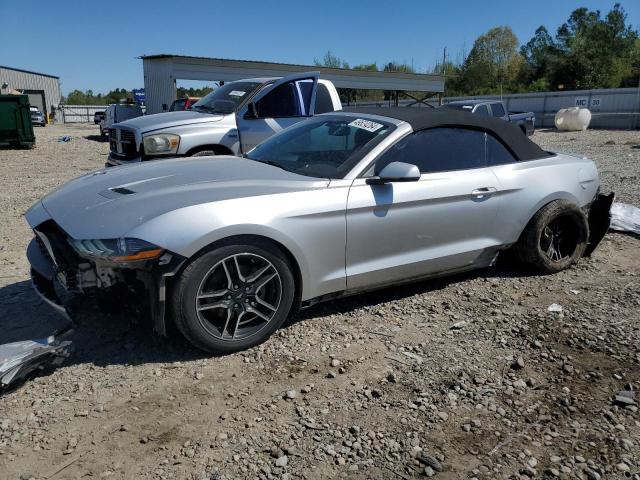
234 92
327 146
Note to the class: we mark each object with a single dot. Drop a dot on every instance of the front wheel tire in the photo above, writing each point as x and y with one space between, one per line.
555 238
233 297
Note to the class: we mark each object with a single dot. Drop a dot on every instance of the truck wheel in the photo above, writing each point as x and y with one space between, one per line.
555 238
233 297
205 153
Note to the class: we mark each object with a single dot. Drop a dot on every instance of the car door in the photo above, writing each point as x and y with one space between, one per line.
278 106
445 221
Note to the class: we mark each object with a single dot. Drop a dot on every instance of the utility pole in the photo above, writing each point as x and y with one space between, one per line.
444 60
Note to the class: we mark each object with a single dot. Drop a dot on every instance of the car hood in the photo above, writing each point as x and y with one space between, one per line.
109 203
159 121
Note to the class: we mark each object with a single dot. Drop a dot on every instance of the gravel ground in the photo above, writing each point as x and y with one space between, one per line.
465 377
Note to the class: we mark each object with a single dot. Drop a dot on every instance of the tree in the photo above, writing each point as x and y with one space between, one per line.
331 61
493 63
538 54
595 52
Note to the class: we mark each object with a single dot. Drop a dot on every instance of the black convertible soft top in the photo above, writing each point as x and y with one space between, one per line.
423 118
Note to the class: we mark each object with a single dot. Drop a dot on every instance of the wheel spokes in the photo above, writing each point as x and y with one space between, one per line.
238 296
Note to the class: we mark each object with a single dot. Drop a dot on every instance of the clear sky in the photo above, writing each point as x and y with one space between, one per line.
95 45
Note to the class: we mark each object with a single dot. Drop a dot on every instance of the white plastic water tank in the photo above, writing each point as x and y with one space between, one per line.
573 119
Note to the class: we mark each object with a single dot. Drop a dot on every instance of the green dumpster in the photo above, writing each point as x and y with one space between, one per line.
16 129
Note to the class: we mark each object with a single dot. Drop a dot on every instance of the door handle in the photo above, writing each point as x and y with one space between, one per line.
483 192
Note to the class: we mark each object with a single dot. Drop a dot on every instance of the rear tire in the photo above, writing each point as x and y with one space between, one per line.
221 308
555 238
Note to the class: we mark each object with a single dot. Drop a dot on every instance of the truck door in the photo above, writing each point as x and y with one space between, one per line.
279 105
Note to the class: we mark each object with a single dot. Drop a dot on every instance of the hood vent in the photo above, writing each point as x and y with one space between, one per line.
115 192
122 191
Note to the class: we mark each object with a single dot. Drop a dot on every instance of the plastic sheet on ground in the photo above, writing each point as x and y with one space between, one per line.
19 359
625 218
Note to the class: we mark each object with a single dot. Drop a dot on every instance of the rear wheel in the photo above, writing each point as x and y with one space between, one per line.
555 238
233 297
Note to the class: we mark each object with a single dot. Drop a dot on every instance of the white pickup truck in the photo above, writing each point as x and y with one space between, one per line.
231 120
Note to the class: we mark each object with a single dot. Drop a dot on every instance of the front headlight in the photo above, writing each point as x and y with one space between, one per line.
117 249
161 144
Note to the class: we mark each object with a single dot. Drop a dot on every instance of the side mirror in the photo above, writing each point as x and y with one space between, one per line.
252 112
396 172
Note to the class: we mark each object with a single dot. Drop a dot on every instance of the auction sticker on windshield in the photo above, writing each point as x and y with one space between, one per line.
366 125
237 93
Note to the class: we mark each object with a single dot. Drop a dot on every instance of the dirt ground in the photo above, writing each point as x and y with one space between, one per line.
464 377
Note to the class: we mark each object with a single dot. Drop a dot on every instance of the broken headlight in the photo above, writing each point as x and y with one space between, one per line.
117 249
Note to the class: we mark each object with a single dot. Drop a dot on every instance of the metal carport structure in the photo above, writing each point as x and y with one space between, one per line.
162 71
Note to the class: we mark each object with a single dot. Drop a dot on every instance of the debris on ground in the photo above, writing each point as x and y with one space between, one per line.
625 218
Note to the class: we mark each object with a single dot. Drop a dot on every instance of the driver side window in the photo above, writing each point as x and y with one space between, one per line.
291 99
438 150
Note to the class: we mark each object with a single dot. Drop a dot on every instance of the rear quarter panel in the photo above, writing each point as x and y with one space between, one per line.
525 187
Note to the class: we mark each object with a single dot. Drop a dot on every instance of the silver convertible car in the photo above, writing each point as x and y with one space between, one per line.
228 247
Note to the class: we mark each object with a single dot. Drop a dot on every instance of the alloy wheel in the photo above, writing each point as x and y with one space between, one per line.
238 296
559 238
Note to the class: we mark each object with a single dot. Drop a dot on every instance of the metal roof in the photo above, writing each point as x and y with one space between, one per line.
28 71
202 68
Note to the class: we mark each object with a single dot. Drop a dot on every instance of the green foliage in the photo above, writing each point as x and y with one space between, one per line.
493 63
182 92
77 97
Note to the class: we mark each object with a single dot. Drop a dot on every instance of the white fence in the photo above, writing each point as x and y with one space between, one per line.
617 108
78 113
614 108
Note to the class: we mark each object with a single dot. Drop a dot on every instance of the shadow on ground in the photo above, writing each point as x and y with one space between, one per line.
119 339
97 138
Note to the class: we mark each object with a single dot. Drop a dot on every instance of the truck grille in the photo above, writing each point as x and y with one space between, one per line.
122 143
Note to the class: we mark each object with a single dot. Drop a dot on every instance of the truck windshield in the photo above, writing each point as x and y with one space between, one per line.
234 92
327 146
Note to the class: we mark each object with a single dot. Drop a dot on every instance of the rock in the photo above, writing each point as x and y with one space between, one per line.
592 474
332 374
335 363
428 471
624 398
532 462
520 384
291 394
554 308
199 376
622 467
458 325
518 364
282 461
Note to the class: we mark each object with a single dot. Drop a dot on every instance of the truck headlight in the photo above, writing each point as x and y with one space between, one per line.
161 144
117 249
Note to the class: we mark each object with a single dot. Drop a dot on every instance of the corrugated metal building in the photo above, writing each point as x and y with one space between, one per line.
43 89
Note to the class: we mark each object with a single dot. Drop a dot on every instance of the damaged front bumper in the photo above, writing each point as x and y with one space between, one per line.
56 267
